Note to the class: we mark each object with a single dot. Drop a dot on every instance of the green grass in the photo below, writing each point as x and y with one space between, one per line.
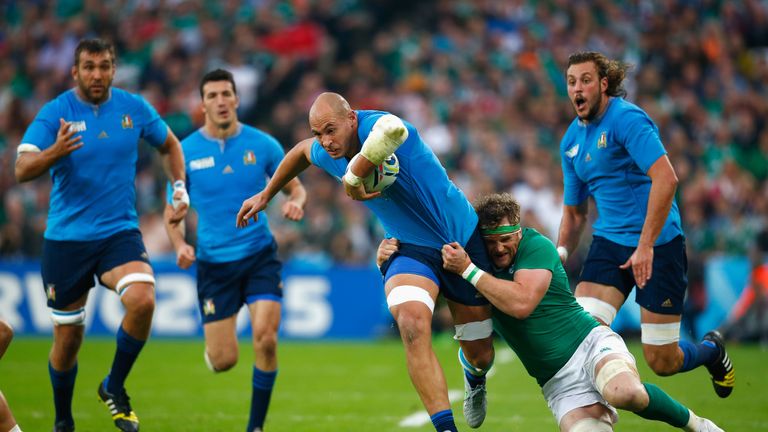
340 386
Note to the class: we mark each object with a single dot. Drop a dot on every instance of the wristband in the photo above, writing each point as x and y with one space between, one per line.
352 179
472 274
179 185
563 252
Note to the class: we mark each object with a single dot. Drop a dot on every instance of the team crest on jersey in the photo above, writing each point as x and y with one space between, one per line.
249 158
602 142
77 126
588 158
126 122
208 307
50 292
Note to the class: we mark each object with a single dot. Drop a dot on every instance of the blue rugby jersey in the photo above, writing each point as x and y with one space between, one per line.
221 174
608 158
422 207
94 194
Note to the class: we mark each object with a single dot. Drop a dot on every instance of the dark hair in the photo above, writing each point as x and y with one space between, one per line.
614 70
491 209
217 75
94 46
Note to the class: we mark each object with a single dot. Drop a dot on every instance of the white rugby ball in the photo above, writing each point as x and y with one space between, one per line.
383 176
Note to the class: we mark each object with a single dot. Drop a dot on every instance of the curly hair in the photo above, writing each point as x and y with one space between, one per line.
614 70
491 209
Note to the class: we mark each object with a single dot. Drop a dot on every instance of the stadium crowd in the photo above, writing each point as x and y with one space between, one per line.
482 80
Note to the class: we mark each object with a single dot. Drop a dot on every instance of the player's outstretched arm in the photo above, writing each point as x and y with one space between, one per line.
516 298
185 253
295 161
173 165
571 226
34 163
663 186
293 208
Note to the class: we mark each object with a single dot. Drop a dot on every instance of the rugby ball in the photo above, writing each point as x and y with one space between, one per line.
383 176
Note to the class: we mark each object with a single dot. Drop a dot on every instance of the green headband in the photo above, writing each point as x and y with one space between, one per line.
501 229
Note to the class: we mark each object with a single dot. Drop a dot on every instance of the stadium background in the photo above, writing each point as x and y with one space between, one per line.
483 82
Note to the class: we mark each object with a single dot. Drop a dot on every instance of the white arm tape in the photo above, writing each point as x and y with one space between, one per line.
563 252
472 274
405 293
387 134
27 148
474 330
74 317
179 185
131 278
591 425
660 334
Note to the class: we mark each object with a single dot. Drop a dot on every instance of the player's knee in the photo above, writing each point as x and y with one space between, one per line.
413 325
265 343
629 396
221 360
140 300
6 333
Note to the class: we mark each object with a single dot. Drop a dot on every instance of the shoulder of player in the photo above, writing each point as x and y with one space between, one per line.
568 138
623 111
535 240
256 135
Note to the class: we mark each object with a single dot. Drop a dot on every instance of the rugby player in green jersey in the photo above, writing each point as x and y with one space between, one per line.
584 369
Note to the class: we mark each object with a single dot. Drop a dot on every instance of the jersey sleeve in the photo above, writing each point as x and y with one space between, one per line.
641 138
42 132
365 124
575 191
154 129
539 253
274 153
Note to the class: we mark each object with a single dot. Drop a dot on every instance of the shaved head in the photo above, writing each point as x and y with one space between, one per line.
334 125
329 103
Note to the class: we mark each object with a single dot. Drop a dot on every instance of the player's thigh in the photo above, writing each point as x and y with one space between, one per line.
221 335
124 264
596 416
265 317
660 334
606 293
410 295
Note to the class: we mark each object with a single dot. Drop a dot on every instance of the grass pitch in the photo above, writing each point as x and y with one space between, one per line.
335 386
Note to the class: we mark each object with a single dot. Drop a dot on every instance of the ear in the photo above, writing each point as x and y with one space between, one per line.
604 85
353 118
73 72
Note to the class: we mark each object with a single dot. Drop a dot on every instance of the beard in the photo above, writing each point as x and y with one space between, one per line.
593 109
91 95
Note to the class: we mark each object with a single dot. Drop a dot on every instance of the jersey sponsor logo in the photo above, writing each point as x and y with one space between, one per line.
572 152
198 164
667 303
249 158
602 142
126 122
77 126
208 307
103 135
227 170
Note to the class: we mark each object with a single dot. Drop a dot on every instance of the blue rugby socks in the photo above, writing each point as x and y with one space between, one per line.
63 383
695 355
128 349
443 421
263 382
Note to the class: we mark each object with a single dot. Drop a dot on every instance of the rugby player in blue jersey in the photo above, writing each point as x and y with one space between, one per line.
7 421
423 209
612 151
88 139
225 161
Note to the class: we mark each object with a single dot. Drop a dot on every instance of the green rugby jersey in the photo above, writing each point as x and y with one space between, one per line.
547 339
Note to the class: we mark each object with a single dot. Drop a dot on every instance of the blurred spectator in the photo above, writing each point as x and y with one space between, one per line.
467 73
